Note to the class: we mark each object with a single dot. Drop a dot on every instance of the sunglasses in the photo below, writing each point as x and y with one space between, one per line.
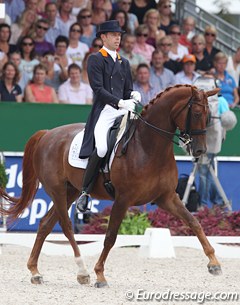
210 34
141 34
167 6
175 33
85 17
97 46
75 30
165 44
27 43
126 3
42 28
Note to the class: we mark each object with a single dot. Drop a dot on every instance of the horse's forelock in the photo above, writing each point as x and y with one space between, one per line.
162 94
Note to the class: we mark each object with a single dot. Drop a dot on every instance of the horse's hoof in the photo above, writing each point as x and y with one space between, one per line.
215 270
101 284
37 279
83 279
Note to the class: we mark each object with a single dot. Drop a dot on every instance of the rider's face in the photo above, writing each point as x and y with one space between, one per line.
111 40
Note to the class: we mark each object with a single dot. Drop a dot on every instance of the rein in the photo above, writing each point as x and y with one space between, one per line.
185 135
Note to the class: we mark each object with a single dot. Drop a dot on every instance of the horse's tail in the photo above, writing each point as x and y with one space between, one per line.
29 179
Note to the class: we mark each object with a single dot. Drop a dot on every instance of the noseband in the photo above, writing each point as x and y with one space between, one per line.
185 135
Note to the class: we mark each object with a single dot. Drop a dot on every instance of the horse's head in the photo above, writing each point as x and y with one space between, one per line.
191 119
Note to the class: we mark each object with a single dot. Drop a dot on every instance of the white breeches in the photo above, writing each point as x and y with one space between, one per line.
105 121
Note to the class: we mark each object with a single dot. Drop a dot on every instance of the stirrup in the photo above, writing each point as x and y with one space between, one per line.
82 203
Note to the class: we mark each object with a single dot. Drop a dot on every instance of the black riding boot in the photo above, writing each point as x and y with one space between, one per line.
89 179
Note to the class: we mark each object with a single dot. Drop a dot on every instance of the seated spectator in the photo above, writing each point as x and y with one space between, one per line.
132 18
37 91
73 91
233 66
140 7
188 31
24 77
5 35
107 7
61 58
79 5
10 91
152 21
41 44
177 50
164 8
141 47
14 8
76 49
164 45
84 18
143 85
65 14
56 26
55 75
160 77
3 60
24 26
84 76
203 64
226 81
97 44
122 17
27 51
98 16
210 35
128 43
188 75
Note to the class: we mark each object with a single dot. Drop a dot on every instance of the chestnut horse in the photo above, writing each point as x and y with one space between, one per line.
146 173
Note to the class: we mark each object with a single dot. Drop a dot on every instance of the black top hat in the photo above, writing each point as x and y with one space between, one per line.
109 26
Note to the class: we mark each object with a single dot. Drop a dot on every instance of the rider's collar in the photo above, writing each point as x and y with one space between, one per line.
105 52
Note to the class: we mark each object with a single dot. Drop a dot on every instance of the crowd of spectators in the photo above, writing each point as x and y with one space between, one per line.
44 47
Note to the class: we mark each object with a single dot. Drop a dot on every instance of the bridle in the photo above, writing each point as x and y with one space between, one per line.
185 136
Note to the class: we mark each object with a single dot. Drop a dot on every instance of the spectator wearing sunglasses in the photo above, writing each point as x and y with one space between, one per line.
210 35
132 18
177 50
97 44
141 47
41 44
164 8
84 18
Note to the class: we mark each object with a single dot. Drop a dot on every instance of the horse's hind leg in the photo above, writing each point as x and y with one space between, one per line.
179 210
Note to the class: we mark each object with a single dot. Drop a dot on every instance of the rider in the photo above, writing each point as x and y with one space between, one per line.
111 81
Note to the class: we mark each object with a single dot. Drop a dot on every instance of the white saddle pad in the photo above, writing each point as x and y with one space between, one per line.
73 155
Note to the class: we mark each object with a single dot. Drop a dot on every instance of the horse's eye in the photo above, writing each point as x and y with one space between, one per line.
197 115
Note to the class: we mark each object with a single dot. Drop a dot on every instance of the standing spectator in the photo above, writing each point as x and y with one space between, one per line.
41 44
160 77
5 35
202 65
177 50
122 17
165 44
152 21
128 43
73 91
27 50
141 47
61 58
188 75
10 91
132 18
188 31
140 7
164 8
65 16
84 18
233 66
14 8
226 81
143 85
76 49
56 27
37 91
24 26
210 35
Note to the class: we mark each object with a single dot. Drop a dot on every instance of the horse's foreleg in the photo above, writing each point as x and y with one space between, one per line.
179 210
45 227
117 214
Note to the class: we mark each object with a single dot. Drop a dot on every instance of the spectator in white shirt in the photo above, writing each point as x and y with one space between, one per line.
177 50
65 14
188 75
73 91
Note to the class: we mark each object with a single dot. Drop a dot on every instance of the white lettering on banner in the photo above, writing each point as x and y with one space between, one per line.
12 172
38 210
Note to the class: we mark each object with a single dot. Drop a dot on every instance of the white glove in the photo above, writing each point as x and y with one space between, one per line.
129 105
136 96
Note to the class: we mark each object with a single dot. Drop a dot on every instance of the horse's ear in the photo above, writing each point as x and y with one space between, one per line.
212 92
